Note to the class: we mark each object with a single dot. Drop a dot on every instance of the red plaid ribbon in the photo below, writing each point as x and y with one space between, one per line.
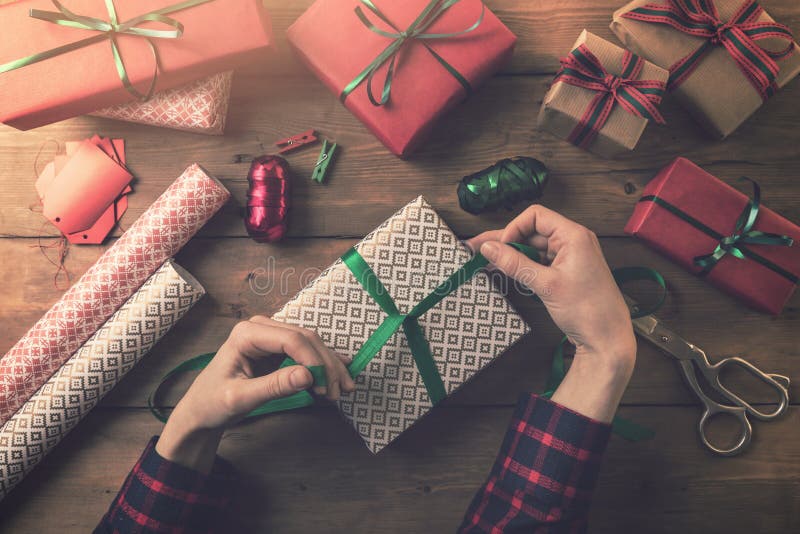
739 36
640 97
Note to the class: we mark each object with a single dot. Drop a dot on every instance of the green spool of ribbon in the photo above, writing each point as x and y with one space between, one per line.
505 183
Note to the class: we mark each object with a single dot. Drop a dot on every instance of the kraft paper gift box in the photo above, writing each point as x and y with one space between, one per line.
411 253
565 105
217 36
764 278
718 93
200 107
337 46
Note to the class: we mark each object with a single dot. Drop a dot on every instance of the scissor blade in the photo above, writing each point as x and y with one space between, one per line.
652 329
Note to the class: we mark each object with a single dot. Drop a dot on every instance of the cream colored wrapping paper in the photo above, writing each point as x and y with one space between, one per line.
199 107
717 94
94 370
564 105
411 253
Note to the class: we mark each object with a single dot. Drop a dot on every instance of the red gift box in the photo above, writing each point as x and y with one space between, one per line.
767 275
337 46
218 35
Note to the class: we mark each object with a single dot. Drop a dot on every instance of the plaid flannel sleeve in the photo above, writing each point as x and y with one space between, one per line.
162 496
544 474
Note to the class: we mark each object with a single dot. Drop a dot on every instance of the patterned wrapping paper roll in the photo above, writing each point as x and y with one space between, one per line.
158 234
199 107
93 370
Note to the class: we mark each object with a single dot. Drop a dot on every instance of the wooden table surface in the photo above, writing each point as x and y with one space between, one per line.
309 471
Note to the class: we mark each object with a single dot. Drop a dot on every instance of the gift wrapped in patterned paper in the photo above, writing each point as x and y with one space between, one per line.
199 107
411 254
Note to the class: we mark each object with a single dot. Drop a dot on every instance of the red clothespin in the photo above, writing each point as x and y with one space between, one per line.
296 141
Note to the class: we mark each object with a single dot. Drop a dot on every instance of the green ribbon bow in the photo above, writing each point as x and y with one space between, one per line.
108 30
415 32
743 234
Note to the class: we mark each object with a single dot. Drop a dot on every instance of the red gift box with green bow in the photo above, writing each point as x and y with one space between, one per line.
720 234
399 66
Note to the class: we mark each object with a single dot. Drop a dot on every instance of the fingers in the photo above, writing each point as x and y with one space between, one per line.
475 243
511 262
537 221
284 382
336 372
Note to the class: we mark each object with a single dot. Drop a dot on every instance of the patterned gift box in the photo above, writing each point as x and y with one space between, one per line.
411 253
199 107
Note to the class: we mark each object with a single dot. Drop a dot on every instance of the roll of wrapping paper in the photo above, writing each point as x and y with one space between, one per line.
93 370
158 234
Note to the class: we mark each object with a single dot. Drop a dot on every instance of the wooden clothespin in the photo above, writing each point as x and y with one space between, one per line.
323 161
296 141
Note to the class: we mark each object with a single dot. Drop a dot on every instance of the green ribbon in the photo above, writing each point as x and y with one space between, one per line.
743 234
108 30
414 32
624 428
508 181
417 343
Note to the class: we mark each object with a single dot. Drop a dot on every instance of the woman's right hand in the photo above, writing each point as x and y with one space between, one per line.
575 284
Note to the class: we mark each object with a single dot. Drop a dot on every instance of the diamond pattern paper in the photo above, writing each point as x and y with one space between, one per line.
412 253
159 233
201 107
93 371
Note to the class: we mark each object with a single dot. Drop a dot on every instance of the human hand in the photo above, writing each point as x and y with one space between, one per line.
230 386
577 288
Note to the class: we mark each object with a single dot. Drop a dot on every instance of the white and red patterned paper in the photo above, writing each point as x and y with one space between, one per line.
71 393
199 107
159 233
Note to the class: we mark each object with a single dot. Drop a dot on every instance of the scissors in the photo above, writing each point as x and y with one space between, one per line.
692 360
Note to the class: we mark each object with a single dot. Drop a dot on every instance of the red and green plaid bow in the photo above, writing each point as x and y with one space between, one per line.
739 36
640 97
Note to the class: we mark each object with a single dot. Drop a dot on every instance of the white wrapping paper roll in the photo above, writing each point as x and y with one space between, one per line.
42 422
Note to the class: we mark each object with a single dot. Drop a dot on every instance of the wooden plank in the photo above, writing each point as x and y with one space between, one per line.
244 279
309 472
596 192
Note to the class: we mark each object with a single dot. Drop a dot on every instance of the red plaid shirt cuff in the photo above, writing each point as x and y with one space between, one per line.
162 496
543 477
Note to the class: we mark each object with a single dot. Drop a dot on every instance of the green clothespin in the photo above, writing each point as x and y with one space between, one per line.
323 161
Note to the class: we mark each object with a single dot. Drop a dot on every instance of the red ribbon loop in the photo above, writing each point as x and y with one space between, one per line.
739 36
581 68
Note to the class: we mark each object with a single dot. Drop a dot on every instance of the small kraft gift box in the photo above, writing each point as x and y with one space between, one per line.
717 232
603 97
408 259
726 57
399 66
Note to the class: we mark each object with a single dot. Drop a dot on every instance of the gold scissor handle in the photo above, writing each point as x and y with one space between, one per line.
711 409
779 383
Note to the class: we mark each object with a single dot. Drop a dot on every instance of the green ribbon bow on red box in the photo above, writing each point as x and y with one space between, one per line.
108 30
400 38
734 244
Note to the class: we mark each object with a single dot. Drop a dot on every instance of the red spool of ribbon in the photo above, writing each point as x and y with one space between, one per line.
267 198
